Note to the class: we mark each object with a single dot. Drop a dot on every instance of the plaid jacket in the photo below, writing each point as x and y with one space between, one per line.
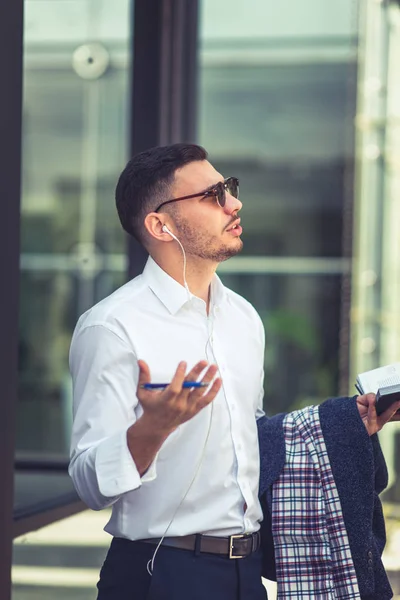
359 470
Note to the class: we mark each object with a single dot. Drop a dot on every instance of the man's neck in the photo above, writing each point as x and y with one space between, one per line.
199 284
199 274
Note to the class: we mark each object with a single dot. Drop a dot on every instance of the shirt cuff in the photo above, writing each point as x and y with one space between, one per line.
115 468
151 472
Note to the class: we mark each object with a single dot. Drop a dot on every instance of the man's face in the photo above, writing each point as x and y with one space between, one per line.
203 227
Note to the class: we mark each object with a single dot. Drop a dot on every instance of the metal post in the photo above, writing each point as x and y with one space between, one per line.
164 79
11 35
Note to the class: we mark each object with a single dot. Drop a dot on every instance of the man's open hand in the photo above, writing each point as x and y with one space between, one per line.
164 410
367 410
168 408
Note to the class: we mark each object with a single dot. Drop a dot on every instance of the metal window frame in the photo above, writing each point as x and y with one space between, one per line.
46 514
11 36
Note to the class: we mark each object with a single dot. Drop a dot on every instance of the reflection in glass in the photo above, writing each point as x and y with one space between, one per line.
76 96
276 106
281 128
301 365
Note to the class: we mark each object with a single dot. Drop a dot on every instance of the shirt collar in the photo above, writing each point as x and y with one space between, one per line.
171 293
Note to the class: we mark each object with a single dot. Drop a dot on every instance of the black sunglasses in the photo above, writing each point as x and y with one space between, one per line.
230 185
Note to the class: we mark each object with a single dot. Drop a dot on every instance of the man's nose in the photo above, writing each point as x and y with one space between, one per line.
232 204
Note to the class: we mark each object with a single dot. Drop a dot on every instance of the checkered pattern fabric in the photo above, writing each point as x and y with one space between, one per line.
313 558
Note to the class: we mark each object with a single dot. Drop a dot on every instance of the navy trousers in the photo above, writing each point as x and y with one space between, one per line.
177 575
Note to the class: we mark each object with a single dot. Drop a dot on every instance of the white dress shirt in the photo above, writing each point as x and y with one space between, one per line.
154 318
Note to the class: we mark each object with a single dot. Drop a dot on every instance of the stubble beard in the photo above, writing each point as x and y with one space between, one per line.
200 245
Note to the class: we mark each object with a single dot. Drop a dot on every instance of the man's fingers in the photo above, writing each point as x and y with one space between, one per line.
363 400
194 374
144 373
396 415
389 413
194 399
207 378
175 387
392 410
396 407
371 407
203 401
210 374
367 409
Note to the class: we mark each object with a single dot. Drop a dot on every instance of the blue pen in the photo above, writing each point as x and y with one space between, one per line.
186 384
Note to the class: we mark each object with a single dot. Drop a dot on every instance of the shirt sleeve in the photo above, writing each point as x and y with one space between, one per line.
104 373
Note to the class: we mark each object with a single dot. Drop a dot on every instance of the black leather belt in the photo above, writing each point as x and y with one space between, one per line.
234 546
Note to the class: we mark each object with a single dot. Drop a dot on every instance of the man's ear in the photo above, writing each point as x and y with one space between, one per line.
154 227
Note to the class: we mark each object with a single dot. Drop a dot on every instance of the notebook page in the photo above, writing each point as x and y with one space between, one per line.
371 381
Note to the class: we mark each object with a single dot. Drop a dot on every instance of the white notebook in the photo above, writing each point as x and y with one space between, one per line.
384 382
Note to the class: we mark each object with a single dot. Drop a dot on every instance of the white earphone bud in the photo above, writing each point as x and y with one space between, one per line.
165 228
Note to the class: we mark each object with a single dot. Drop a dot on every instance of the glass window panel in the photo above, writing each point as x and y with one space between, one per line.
48 314
276 107
301 359
282 129
75 139
288 209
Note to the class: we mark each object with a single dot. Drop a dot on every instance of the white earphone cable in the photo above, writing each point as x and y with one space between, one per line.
150 564
165 228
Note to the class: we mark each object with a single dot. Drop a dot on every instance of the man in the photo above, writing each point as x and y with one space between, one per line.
179 465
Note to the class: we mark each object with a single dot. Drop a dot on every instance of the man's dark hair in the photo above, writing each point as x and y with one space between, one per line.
146 181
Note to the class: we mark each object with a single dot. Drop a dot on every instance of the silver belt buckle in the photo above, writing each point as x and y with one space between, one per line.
232 538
